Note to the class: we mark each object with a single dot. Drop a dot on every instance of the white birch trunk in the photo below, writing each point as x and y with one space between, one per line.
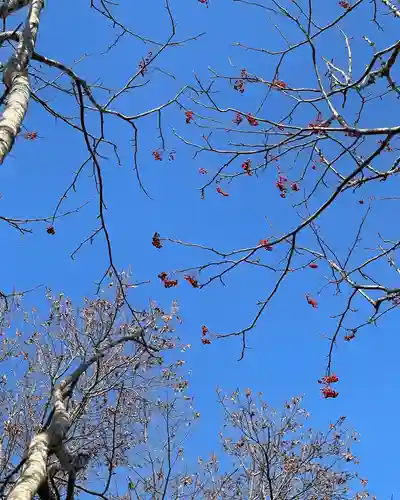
51 439
35 469
17 82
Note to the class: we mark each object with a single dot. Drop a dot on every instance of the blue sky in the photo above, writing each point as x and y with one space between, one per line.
287 351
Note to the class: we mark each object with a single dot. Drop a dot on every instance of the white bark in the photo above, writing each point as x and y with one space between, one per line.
51 439
17 82
35 468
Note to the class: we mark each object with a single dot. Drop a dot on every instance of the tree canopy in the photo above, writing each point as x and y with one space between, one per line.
213 185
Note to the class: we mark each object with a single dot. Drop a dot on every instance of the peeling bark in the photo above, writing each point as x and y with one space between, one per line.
17 81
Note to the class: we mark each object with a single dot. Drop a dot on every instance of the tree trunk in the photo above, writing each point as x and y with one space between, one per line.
17 82
35 469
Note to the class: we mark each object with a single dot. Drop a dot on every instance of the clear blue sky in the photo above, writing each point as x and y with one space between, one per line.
287 353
